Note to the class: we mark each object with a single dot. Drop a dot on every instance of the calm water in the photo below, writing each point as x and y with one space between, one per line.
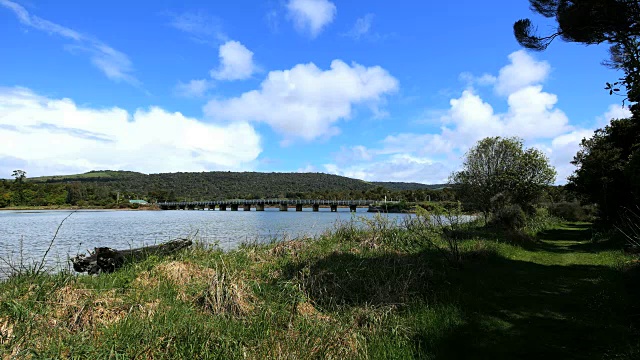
85 230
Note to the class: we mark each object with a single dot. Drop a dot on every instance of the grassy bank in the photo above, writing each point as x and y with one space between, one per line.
375 293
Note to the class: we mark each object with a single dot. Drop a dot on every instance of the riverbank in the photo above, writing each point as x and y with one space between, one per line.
73 208
378 292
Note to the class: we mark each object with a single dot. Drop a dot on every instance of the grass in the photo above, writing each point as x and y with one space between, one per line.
375 292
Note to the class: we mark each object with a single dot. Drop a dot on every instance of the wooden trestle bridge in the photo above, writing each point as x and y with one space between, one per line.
260 204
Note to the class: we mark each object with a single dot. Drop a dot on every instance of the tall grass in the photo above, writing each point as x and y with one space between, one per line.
431 285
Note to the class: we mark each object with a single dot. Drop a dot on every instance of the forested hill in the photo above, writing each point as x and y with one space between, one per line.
113 188
222 185
214 185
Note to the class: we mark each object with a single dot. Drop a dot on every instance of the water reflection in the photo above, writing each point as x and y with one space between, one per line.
32 231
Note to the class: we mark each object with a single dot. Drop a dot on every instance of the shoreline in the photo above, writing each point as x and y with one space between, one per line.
58 208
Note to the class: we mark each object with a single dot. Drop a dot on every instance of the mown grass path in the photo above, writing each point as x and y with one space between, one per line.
562 299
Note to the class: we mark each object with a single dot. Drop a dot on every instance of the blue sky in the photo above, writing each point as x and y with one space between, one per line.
372 90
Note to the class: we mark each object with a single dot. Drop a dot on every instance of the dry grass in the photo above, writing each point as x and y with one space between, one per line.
81 309
227 294
6 330
307 310
181 273
291 247
296 344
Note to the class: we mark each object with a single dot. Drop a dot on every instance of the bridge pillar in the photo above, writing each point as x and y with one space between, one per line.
298 207
212 207
223 207
246 207
316 207
352 208
284 207
182 207
259 207
334 208
234 207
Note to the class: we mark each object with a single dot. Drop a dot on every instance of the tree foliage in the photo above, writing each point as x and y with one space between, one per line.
592 22
608 168
104 188
498 171
19 175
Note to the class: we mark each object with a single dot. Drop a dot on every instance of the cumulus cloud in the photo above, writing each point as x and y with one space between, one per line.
311 16
531 114
562 150
615 111
53 136
114 64
399 167
523 71
236 62
306 102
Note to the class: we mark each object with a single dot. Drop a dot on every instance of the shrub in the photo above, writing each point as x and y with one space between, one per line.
510 217
570 211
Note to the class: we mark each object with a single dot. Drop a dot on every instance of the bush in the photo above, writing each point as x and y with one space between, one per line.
510 217
570 211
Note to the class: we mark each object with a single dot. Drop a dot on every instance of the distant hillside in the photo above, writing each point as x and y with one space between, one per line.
91 175
216 185
399 186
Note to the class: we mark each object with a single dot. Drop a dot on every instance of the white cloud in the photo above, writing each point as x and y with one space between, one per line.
236 62
361 27
615 111
523 71
562 150
53 136
114 64
471 80
306 102
311 15
531 114
307 169
194 88
398 167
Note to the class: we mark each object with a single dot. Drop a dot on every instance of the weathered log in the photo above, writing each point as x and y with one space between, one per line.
107 260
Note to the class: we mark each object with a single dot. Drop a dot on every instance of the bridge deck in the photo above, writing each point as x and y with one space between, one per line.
270 201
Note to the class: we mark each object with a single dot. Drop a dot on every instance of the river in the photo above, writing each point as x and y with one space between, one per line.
27 234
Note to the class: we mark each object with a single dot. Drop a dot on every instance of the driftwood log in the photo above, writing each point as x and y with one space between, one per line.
107 260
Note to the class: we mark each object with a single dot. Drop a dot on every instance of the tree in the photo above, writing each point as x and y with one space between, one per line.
19 175
608 168
592 22
498 171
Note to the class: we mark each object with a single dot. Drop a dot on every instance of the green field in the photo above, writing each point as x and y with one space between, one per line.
380 293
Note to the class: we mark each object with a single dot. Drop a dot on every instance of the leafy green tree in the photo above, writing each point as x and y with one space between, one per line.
19 175
614 22
608 168
498 171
